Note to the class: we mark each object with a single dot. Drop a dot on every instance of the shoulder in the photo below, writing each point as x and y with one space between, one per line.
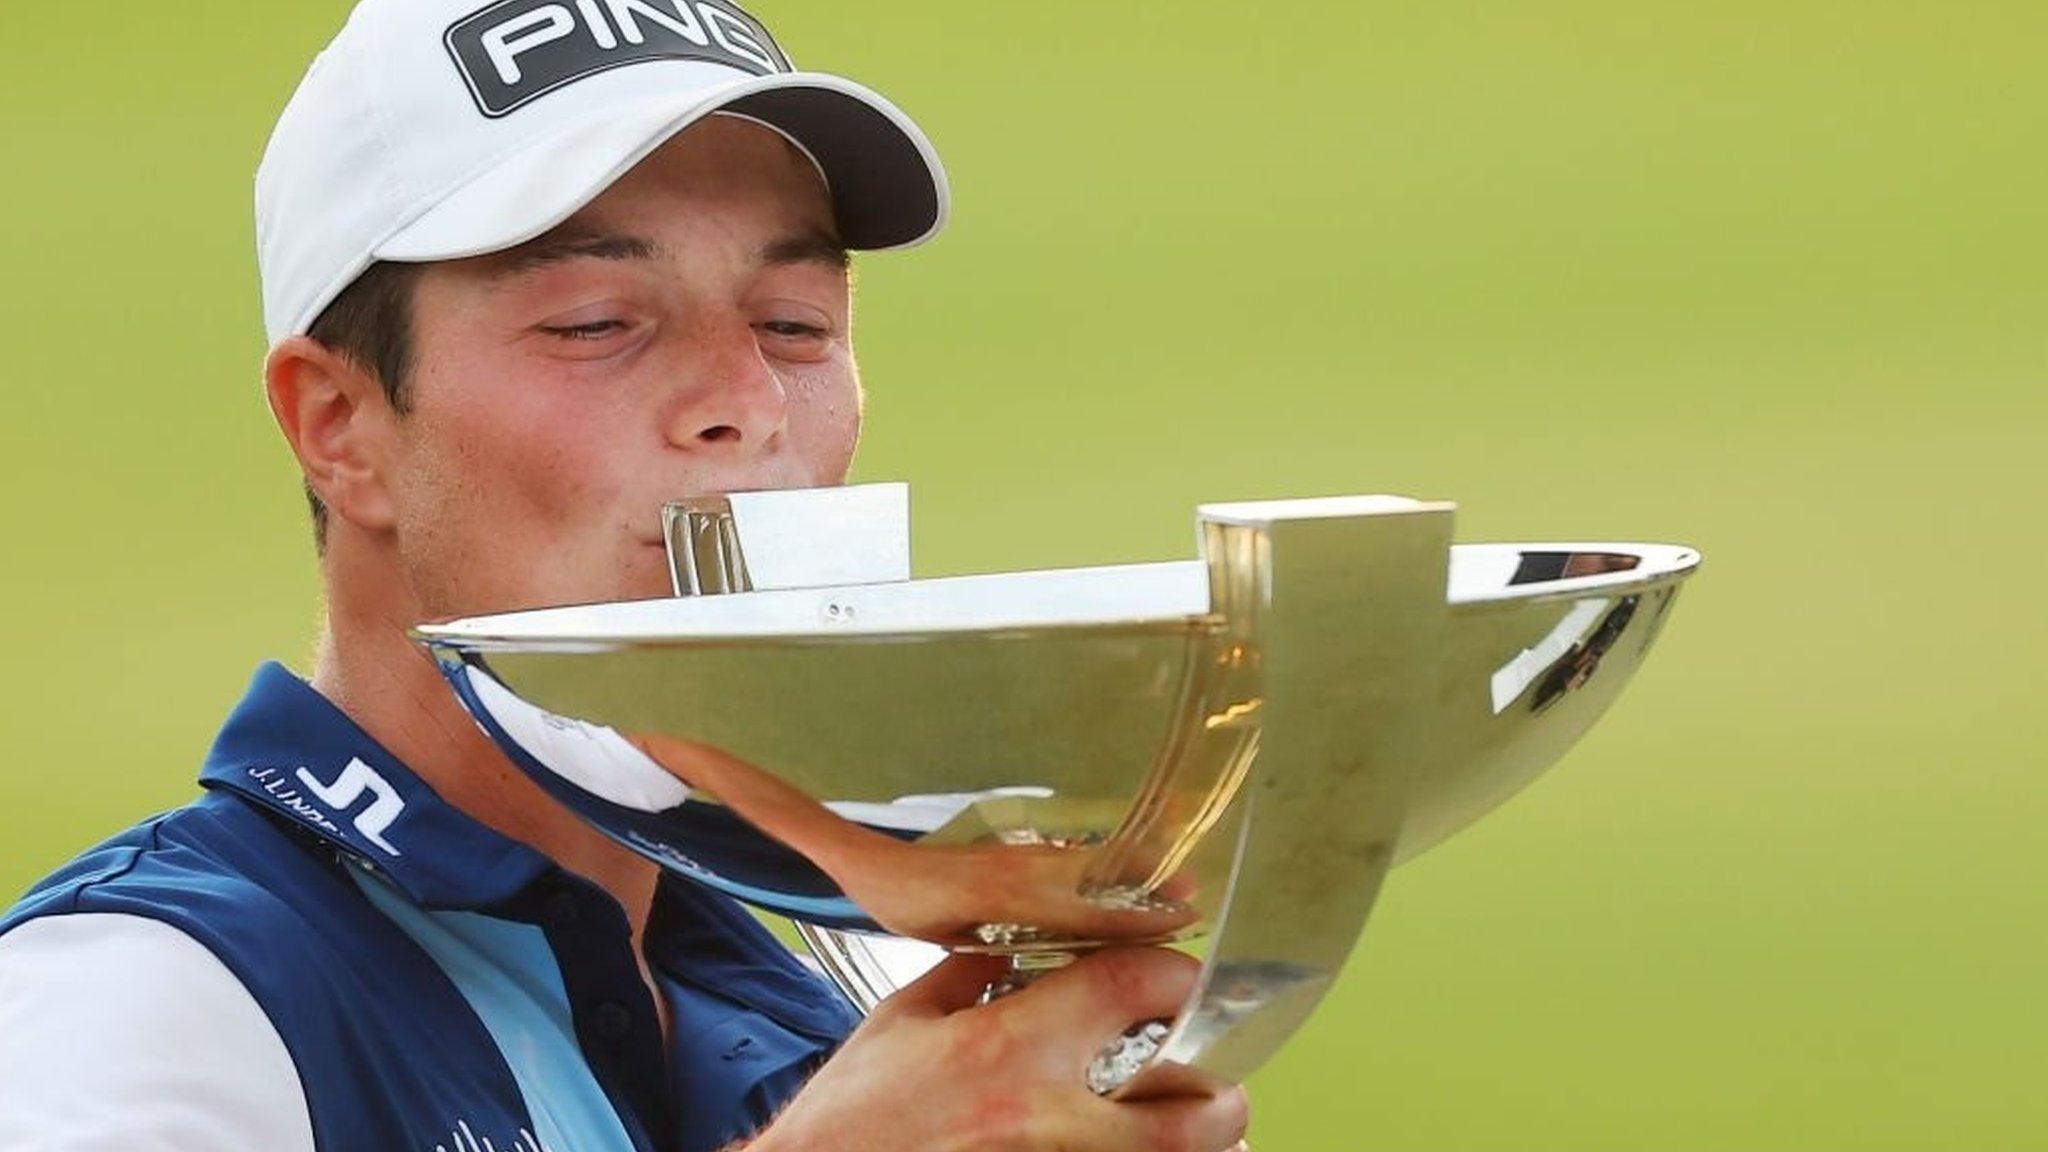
274 908
118 1028
220 911
218 869
130 1007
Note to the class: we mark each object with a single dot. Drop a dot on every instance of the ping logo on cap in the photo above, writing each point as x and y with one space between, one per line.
516 51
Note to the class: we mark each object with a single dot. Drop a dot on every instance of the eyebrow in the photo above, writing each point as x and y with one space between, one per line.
562 246
808 248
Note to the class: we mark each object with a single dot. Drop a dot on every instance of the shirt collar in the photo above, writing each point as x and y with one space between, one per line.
288 749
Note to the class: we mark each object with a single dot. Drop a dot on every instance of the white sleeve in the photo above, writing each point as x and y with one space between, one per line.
121 1032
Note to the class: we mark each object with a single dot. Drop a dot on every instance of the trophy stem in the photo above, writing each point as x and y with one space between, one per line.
1025 969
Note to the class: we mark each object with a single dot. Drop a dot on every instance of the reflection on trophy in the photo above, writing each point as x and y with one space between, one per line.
1226 753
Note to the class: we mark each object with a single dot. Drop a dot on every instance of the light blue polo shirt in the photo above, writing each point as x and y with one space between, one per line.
434 984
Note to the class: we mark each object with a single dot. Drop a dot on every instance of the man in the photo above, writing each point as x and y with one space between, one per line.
529 269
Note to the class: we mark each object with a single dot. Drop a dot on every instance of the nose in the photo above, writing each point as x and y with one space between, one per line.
730 400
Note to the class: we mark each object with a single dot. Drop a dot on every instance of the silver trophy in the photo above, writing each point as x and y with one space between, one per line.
1227 753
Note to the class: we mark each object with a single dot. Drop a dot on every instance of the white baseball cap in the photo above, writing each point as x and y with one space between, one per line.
440 129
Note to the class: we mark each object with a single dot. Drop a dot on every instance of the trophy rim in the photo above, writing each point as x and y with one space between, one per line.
987 605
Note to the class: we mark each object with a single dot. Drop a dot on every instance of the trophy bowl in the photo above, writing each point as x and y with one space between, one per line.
1229 751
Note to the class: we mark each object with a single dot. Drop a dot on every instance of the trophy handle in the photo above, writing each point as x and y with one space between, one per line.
868 526
1344 728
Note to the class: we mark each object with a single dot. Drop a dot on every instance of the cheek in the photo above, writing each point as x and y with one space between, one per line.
530 451
429 498
825 417
489 502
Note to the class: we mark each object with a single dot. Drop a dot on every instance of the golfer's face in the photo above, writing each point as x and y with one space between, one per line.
688 332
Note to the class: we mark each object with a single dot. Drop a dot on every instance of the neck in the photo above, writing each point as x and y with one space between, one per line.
372 671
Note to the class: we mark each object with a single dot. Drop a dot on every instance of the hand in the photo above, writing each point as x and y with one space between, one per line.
934 1070
935 892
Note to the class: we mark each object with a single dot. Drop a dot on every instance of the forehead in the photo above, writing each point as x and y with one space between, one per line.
722 169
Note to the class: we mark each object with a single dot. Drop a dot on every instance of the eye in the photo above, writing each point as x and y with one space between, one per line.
592 330
795 339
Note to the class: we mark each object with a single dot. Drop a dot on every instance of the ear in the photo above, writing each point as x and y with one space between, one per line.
339 424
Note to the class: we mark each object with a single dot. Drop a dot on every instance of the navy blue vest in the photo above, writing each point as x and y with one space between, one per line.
439 985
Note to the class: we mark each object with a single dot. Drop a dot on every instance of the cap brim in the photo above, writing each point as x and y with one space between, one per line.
888 189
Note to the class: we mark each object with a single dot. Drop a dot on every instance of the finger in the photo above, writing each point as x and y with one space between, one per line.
1090 1002
1207 1123
944 893
955 983
1170 1079
1048 892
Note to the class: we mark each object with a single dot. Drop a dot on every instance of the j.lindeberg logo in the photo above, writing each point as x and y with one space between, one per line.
518 50
291 800
356 780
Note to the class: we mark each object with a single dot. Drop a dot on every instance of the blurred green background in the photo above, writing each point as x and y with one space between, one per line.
1767 279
